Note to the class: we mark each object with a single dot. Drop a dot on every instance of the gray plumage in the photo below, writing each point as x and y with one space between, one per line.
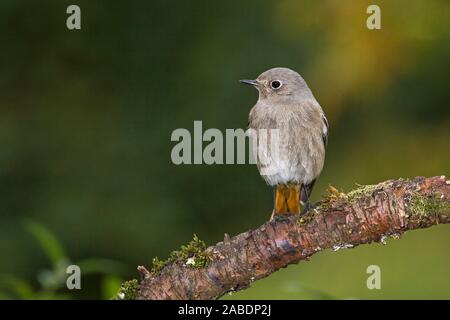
286 103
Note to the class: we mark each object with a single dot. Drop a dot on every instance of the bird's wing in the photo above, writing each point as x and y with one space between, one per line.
325 129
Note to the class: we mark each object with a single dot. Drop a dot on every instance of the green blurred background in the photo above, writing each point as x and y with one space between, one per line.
86 118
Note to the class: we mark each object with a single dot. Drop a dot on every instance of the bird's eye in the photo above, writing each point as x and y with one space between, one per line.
276 84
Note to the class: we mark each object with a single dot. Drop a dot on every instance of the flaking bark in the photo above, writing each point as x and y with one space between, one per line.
365 215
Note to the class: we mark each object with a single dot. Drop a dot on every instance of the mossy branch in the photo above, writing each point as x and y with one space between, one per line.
340 220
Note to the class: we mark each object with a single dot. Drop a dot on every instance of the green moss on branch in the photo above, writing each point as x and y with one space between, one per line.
423 205
193 255
128 290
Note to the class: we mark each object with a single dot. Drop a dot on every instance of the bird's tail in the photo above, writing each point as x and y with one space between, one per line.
287 199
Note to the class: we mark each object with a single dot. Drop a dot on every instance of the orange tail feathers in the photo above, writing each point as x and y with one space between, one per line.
287 199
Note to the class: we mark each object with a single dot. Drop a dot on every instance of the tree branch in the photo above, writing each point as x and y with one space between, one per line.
364 215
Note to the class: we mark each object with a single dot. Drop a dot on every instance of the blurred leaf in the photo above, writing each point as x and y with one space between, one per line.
54 279
45 295
18 287
110 286
102 266
21 289
47 241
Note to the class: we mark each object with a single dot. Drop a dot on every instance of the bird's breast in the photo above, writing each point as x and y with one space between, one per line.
289 145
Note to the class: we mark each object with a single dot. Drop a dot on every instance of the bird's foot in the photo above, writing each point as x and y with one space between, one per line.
308 206
280 216
273 215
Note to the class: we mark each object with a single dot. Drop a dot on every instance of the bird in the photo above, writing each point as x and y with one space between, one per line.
289 131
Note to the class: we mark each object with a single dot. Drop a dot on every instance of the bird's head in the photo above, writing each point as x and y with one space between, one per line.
281 85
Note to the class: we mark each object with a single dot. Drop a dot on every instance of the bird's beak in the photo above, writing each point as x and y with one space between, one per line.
250 82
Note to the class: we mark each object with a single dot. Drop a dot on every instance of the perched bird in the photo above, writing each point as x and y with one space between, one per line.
290 134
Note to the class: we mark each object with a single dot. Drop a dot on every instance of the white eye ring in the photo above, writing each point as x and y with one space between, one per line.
276 84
